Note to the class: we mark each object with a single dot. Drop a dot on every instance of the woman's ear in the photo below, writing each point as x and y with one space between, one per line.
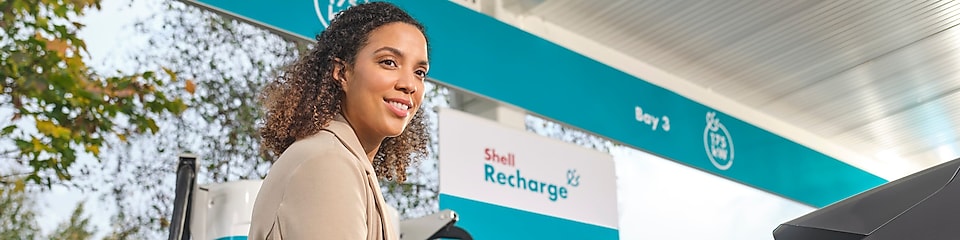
340 72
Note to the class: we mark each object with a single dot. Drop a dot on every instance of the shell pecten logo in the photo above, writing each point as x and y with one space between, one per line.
516 181
327 9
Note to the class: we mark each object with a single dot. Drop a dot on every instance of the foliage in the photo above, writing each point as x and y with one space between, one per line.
44 79
555 130
78 227
18 218
18 215
126 228
140 180
228 61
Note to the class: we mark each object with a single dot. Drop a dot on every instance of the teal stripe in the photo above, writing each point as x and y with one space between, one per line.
289 15
488 221
233 238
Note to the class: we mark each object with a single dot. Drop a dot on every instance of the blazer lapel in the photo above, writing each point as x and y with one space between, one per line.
342 130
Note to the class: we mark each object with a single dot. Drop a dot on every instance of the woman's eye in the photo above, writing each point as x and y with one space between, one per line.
421 73
389 62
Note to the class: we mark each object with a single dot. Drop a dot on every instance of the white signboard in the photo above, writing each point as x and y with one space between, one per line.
483 161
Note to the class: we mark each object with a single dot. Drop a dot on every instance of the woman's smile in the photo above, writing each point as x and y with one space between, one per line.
399 106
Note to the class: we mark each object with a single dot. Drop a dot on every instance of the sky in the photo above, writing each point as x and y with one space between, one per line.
107 33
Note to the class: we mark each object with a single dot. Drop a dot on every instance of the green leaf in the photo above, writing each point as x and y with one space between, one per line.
60 11
41 21
152 125
23 145
8 130
173 75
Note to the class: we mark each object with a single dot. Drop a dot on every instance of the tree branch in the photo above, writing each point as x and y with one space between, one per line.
4 179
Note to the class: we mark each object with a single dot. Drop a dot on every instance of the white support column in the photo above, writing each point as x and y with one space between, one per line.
511 116
505 114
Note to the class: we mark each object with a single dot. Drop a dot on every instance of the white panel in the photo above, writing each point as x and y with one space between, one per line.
660 199
226 209
483 161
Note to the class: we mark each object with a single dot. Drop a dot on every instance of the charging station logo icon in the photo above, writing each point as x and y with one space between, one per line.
573 179
718 143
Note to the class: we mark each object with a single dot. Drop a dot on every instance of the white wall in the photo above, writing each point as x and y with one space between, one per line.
662 199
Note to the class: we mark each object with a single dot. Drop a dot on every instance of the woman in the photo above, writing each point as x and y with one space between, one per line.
341 116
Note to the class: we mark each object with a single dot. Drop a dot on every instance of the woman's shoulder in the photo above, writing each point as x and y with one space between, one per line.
323 145
294 177
320 153
321 141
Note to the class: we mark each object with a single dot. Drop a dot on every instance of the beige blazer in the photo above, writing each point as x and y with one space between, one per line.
322 187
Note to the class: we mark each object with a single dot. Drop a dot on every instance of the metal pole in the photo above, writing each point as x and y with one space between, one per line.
186 180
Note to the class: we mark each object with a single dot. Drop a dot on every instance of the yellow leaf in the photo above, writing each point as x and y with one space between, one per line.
37 145
45 126
173 75
122 137
76 63
191 87
19 186
52 129
93 149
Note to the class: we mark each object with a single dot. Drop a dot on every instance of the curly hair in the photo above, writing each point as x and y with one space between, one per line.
306 97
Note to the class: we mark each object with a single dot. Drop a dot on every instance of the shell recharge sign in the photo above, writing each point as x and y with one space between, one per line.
511 184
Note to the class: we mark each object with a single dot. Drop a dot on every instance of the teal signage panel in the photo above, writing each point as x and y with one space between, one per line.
480 54
484 220
296 18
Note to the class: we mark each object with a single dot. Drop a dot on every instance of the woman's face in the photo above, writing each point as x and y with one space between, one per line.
384 87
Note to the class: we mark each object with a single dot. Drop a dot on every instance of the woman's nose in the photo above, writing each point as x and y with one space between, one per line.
407 84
